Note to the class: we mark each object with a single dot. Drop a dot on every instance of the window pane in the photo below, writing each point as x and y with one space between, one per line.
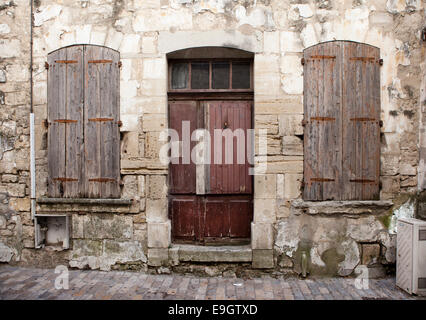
240 75
200 75
220 75
180 75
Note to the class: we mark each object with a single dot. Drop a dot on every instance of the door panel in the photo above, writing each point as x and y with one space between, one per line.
226 177
182 176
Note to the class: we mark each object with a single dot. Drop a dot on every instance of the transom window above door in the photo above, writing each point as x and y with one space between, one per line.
210 75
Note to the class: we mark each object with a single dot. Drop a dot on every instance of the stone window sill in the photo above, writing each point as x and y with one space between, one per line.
85 201
352 207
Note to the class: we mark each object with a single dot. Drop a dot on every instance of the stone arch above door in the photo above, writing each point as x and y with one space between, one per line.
174 41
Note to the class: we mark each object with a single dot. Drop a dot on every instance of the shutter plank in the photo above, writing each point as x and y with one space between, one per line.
56 132
101 116
74 130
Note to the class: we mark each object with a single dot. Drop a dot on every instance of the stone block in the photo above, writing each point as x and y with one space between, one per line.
149 45
292 146
263 259
390 184
130 186
158 257
268 122
290 125
157 186
292 184
291 42
20 204
370 253
77 222
154 68
264 210
265 186
156 210
271 42
153 145
262 236
159 234
108 226
154 122
86 248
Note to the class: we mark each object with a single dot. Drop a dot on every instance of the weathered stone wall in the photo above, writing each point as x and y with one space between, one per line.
276 31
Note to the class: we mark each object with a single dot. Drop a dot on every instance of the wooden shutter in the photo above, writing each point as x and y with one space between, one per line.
65 119
101 116
361 118
83 115
342 113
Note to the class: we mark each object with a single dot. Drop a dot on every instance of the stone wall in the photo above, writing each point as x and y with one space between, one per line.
276 31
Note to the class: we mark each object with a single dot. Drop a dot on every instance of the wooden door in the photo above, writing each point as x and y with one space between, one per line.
222 211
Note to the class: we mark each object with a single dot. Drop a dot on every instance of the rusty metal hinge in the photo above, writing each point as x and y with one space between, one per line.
381 123
381 62
101 119
322 179
323 118
304 122
65 121
65 179
302 61
99 61
120 123
102 180
322 57
362 180
119 64
45 123
66 61
46 65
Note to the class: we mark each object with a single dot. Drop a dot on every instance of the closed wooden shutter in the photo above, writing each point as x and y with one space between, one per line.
65 118
101 116
342 115
83 115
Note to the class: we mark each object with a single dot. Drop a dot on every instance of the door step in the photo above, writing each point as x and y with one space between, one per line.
193 253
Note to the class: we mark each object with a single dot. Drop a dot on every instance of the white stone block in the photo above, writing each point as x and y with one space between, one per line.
4 28
159 235
114 39
154 68
290 42
264 210
265 186
130 44
156 210
262 236
271 42
82 33
292 84
46 13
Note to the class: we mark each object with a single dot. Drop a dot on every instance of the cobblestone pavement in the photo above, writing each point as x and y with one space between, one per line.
29 283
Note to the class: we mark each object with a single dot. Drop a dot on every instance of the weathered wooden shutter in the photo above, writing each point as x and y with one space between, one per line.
65 119
342 113
101 116
361 118
83 115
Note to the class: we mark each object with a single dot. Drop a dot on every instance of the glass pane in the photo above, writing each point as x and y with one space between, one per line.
220 75
180 75
200 75
241 75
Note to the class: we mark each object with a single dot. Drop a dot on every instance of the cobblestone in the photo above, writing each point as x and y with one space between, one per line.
30 284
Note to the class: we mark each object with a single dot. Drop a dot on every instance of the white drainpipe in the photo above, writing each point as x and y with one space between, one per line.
32 167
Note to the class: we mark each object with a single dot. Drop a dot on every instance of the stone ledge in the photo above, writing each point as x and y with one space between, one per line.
352 207
85 201
193 253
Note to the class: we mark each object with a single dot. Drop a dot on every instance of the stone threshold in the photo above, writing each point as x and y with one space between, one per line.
85 201
194 253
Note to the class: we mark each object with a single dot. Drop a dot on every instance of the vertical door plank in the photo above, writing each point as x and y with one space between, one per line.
182 177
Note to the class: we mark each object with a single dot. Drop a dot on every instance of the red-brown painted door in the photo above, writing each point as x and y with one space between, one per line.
223 211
